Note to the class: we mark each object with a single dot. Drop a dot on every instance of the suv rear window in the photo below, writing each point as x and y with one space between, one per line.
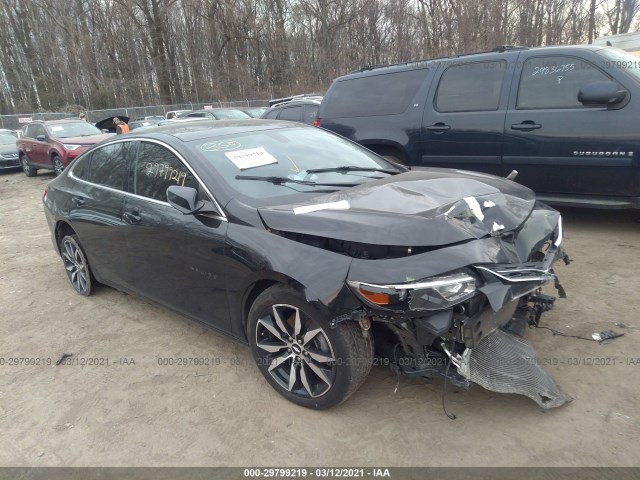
385 94
471 87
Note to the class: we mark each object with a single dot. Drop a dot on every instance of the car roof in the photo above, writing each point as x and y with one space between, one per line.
205 128
506 51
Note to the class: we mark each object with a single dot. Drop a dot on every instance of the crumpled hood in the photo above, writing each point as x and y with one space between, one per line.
423 207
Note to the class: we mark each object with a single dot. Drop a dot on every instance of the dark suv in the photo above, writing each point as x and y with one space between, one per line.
566 118
52 145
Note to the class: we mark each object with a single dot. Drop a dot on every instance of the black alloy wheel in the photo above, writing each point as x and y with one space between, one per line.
301 355
76 265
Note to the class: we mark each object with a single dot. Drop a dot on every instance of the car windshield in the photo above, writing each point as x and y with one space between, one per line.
619 59
75 129
230 114
280 154
7 139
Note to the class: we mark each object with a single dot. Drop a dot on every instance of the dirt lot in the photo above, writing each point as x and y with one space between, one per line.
137 412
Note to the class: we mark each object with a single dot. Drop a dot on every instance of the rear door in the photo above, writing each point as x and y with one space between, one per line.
559 146
95 210
463 122
179 260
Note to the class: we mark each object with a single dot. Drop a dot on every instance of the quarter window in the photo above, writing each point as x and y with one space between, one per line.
554 82
156 169
382 94
471 87
108 166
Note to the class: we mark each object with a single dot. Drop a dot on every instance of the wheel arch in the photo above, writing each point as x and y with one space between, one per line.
62 229
259 285
387 148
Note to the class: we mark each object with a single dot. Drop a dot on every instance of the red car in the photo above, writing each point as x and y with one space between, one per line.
52 145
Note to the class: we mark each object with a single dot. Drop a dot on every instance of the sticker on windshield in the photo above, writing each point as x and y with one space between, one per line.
220 146
57 129
251 158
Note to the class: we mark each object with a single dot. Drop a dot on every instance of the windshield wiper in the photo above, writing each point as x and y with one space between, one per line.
351 168
283 180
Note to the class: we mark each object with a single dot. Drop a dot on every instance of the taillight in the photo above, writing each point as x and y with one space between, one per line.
316 122
44 193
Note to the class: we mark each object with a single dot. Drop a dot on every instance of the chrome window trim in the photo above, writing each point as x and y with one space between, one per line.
222 216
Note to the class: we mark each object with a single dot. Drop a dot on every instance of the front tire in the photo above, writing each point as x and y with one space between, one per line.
28 170
76 265
58 166
303 358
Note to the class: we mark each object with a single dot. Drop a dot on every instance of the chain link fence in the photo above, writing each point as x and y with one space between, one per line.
15 122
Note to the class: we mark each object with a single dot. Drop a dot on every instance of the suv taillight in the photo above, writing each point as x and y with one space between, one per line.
44 193
316 122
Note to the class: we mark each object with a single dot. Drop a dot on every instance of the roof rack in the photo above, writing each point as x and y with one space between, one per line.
499 48
507 48
302 96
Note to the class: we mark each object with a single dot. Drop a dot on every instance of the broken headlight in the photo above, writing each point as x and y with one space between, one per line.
435 293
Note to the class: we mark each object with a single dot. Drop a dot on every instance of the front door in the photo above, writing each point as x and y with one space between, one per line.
178 259
560 146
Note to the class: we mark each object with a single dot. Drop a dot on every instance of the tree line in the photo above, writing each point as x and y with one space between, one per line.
61 54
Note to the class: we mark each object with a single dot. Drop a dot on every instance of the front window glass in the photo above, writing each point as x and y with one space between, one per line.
157 169
75 129
554 82
288 153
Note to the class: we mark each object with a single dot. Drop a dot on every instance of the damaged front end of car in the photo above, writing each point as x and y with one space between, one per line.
466 325
448 269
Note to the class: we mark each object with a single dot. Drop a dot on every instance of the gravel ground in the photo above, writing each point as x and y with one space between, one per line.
136 412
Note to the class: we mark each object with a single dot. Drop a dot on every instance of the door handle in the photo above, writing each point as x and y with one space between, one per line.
526 126
439 127
77 201
132 217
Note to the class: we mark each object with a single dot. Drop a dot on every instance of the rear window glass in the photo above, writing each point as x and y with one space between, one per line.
385 94
292 113
109 165
471 87
230 114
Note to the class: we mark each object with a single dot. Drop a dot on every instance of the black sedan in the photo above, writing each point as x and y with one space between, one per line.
321 256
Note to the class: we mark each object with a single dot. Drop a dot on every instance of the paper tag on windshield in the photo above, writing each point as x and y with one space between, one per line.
251 158
57 129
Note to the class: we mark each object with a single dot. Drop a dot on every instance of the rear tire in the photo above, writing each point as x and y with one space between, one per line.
301 356
76 264
28 170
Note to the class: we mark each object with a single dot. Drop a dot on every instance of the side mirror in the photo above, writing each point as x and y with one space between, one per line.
105 130
41 138
601 93
184 199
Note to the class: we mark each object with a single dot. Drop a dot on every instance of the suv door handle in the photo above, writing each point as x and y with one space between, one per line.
439 127
526 126
77 201
132 217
